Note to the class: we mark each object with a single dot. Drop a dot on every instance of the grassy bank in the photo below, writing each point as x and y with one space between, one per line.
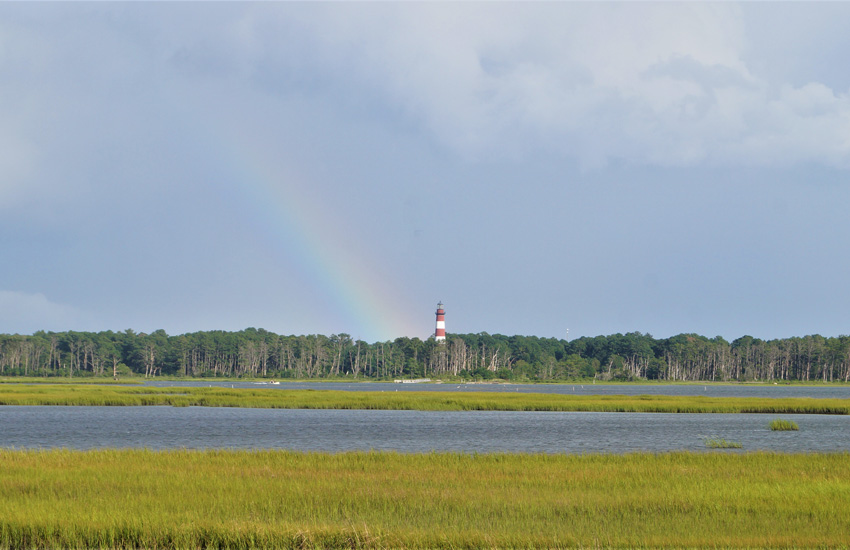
65 394
191 499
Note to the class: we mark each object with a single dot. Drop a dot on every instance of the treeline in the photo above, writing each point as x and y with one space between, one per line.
260 353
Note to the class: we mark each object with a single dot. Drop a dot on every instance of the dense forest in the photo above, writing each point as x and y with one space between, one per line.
260 353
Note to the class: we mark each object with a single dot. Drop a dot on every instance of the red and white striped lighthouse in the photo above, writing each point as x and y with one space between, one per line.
440 334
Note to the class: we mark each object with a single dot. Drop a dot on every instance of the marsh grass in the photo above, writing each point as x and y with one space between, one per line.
720 443
100 380
69 394
780 425
242 499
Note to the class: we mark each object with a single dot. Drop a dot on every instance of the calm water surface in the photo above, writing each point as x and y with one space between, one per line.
407 431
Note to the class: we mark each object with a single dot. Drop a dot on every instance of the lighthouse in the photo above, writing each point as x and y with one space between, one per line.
440 334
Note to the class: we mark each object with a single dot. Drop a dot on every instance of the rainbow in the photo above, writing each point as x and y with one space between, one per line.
309 236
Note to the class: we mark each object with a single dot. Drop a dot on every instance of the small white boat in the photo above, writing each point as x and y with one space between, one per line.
275 382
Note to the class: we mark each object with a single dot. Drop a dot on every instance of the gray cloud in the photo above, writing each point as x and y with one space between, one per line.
24 313
547 155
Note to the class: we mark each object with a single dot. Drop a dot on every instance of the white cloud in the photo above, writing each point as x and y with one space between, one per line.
657 84
24 313
649 83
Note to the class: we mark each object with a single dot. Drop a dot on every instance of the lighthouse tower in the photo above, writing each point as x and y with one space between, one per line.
440 334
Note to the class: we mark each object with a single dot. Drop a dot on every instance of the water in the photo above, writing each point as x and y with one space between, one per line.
709 390
407 431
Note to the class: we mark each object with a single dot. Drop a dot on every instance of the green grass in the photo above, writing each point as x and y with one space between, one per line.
780 425
242 499
72 394
719 443
65 380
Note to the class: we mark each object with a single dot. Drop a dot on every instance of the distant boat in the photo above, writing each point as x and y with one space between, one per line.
275 382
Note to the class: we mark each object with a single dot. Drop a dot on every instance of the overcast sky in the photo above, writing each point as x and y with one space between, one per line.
340 168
